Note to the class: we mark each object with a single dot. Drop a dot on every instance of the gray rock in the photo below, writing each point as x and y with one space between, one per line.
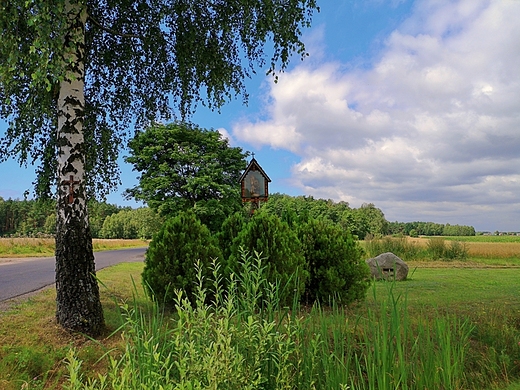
388 266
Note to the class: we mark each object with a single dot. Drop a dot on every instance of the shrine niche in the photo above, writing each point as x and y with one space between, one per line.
255 183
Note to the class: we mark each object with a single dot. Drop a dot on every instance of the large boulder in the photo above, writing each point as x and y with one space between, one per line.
388 266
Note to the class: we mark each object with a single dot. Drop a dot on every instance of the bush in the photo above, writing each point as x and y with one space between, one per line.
171 256
334 261
229 230
279 246
438 249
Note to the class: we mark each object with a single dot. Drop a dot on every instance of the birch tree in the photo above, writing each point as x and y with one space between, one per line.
76 74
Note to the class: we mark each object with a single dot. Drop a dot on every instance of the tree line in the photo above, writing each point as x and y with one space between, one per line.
32 218
415 229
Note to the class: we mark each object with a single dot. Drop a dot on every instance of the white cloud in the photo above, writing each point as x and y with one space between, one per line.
430 131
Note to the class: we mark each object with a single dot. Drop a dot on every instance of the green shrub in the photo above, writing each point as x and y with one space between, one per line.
334 263
230 229
171 256
227 344
438 249
456 251
279 245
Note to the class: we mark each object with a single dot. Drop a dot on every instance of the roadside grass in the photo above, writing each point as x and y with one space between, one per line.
44 247
482 303
33 347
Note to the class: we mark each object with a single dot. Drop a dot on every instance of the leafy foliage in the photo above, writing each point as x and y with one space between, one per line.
229 231
430 229
279 245
75 74
38 217
144 61
334 262
133 223
185 167
367 219
169 265
24 218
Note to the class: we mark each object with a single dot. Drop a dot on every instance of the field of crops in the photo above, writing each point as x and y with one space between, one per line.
482 238
481 247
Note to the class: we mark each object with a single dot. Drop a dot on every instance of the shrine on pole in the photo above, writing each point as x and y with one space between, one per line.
255 184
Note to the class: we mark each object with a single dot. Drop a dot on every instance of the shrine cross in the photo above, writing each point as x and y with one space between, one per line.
70 183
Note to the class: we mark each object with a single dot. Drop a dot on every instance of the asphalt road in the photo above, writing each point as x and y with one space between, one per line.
22 276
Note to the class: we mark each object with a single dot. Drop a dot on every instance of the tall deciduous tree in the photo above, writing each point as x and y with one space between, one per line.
186 167
75 73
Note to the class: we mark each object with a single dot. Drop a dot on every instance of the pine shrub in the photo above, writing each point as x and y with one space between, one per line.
335 263
230 229
280 248
169 265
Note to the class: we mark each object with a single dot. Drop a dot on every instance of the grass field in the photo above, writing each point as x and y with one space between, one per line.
497 239
34 351
490 250
487 247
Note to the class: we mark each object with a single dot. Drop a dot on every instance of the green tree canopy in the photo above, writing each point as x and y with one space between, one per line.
186 167
143 60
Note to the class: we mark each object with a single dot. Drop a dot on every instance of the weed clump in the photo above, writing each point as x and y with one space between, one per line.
439 250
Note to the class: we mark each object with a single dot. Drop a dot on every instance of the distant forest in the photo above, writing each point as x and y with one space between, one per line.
32 218
37 218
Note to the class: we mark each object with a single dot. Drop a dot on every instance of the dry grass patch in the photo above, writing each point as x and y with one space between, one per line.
491 249
26 247
504 250
44 247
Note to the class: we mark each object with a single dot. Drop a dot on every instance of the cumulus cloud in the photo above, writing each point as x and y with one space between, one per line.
429 131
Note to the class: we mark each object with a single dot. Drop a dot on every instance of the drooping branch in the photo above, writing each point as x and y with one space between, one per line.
113 32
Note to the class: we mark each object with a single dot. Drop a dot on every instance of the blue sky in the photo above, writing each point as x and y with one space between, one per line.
411 105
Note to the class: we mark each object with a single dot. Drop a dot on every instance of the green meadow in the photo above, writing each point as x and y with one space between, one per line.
451 325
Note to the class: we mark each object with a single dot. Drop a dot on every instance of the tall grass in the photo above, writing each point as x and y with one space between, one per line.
396 352
436 248
20 247
400 246
440 250
245 339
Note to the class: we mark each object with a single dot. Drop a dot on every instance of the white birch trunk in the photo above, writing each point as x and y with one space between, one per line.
78 307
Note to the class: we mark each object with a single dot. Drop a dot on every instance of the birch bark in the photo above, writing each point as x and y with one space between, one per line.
78 306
